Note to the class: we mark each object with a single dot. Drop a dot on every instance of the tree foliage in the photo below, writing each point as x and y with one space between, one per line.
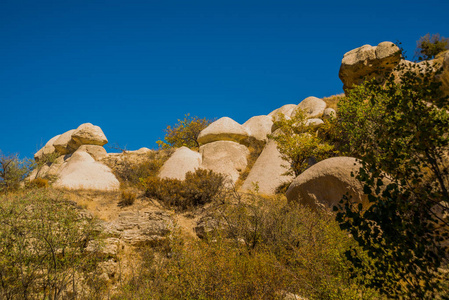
298 142
184 133
428 46
400 132
12 171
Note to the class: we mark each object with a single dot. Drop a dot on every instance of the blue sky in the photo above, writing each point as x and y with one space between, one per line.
134 67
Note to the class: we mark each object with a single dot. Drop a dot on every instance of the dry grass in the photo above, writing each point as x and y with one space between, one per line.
332 101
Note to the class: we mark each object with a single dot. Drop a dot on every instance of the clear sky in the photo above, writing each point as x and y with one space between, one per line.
134 67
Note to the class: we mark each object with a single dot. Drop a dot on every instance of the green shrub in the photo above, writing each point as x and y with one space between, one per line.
428 46
43 240
184 133
127 198
131 168
198 188
263 248
13 171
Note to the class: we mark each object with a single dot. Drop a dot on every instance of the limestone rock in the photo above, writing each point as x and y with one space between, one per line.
444 76
224 129
47 149
64 144
97 152
182 161
226 157
81 171
367 62
267 171
258 127
329 113
88 134
140 227
324 184
312 106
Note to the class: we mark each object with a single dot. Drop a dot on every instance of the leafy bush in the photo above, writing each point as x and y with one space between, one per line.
198 188
428 46
13 171
298 142
262 249
42 242
131 168
184 133
128 198
39 183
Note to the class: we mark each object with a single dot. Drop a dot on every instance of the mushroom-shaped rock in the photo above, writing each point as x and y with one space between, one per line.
367 62
64 144
313 107
97 152
224 129
47 149
81 171
324 184
225 157
183 160
88 134
329 113
287 110
267 172
258 127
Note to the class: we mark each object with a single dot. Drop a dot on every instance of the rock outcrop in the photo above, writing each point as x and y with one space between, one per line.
324 184
78 165
48 149
225 157
259 127
267 171
81 171
183 160
367 62
287 110
224 129
313 107
140 227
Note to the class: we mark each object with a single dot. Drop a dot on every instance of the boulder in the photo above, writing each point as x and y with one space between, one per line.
312 106
267 171
225 157
81 171
47 149
258 127
324 184
140 227
64 144
329 113
314 122
287 110
367 62
88 134
97 152
224 129
183 160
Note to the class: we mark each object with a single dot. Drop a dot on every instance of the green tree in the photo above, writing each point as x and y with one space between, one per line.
12 171
399 130
428 46
297 142
184 133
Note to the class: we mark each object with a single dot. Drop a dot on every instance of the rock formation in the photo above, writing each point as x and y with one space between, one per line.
324 184
367 62
224 129
183 160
